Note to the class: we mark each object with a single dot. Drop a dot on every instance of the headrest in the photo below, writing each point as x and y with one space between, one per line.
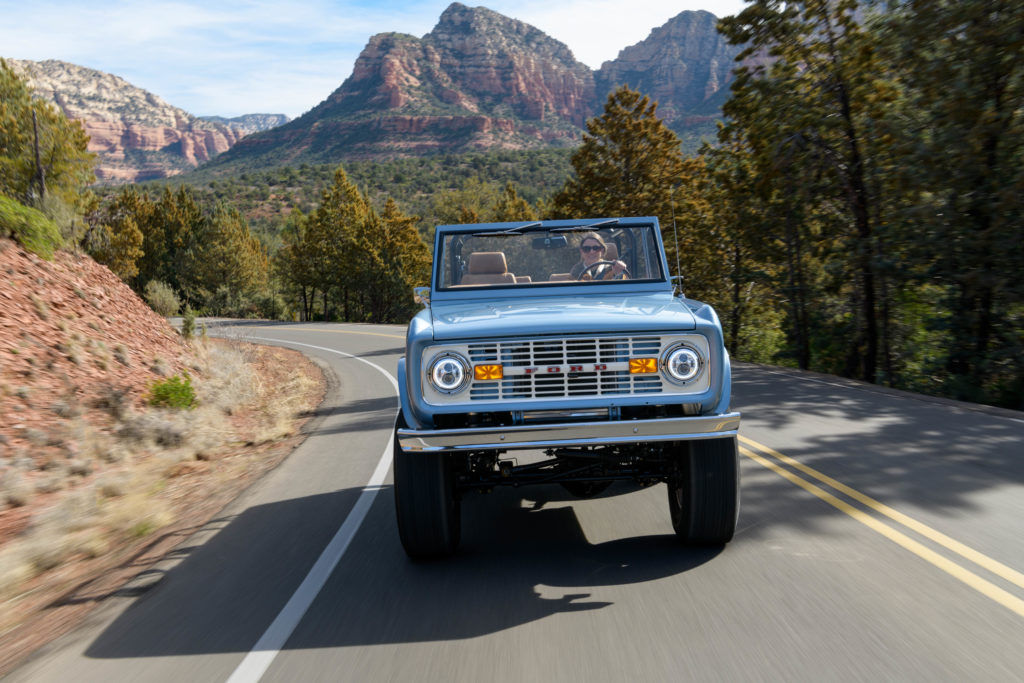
487 263
611 252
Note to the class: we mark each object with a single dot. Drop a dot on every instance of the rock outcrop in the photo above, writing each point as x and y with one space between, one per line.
685 65
481 80
478 80
136 134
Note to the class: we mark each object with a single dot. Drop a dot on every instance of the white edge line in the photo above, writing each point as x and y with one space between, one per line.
266 649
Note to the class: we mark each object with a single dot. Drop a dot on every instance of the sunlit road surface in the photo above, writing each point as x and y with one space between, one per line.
881 538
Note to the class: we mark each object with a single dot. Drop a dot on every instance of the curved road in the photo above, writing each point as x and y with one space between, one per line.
881 538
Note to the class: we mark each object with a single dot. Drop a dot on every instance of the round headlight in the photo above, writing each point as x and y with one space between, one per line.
449 373
683 364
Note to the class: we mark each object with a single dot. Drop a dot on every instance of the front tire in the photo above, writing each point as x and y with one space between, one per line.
704 492
426 505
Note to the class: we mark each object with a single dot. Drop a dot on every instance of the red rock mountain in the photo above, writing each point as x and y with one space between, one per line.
686 66
481 80
137 135
478 80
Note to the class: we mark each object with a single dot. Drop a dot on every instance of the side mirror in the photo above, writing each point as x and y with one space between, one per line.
421 295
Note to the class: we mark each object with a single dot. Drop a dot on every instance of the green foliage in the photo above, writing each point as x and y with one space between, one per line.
113 238
173 392
188 323
228 256
362 264
869 185
962 180
44 162
627 166
29 227
161 298
479 202
196 250
266 197
811 114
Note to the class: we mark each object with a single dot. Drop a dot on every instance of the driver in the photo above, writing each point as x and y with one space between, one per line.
592 251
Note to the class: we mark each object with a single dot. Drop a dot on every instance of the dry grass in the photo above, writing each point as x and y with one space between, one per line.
108 488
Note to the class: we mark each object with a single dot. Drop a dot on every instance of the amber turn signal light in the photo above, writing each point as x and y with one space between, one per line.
643 366
487 372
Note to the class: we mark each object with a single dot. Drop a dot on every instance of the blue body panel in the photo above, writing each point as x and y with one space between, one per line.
529 314
496 313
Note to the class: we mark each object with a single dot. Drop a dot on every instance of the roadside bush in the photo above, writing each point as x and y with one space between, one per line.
31 228
188 323
173 392
161 298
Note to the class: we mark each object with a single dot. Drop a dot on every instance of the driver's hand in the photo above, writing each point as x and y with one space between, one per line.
612 270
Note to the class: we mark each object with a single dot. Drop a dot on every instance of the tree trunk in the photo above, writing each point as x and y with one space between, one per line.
40 175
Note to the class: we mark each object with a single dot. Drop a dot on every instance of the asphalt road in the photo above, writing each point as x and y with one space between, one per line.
880 538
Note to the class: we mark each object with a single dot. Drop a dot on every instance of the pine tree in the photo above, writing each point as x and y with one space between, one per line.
806 116
44 159
964 110
628 165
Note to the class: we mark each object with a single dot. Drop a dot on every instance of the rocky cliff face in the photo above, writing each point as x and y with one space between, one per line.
136 135
481 80
477 80
250 123
685 65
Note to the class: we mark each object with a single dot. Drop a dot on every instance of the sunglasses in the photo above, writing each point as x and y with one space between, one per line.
591 247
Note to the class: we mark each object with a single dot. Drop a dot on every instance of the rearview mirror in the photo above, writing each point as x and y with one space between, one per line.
550 242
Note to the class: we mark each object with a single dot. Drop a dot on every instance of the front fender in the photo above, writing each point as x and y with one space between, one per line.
403 397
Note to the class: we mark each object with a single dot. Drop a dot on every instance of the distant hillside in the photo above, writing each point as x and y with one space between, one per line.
250 123
480 80
136 134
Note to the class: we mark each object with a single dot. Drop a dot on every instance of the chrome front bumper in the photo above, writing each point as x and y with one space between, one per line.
570 434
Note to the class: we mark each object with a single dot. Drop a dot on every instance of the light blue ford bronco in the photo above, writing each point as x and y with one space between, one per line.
559 352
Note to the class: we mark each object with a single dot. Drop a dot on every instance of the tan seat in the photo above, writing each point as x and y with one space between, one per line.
523 279
488 268
560 277
611 252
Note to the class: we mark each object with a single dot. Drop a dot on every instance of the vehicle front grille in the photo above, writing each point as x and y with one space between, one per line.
554 368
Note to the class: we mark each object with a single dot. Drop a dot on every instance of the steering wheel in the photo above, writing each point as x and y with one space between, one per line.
598 264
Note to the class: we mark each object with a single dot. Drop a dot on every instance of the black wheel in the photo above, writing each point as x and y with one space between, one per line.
704 492
585 489
429 520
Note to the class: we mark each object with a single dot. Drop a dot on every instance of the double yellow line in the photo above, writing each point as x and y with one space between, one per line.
774 461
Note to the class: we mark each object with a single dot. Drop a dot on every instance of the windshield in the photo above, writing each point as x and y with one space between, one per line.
535 256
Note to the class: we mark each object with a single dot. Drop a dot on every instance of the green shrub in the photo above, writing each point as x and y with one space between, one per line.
188 323
161 298
173 392
29 227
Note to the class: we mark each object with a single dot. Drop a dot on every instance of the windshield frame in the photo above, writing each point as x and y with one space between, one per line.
545 288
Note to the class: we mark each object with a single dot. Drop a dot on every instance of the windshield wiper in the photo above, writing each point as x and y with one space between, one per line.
585 228
511 232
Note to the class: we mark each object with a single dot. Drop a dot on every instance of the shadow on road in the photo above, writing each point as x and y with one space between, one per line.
897 448
520 561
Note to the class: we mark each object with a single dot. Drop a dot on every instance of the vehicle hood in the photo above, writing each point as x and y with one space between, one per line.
649 312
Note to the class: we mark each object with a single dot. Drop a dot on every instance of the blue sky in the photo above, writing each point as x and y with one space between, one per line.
232 57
